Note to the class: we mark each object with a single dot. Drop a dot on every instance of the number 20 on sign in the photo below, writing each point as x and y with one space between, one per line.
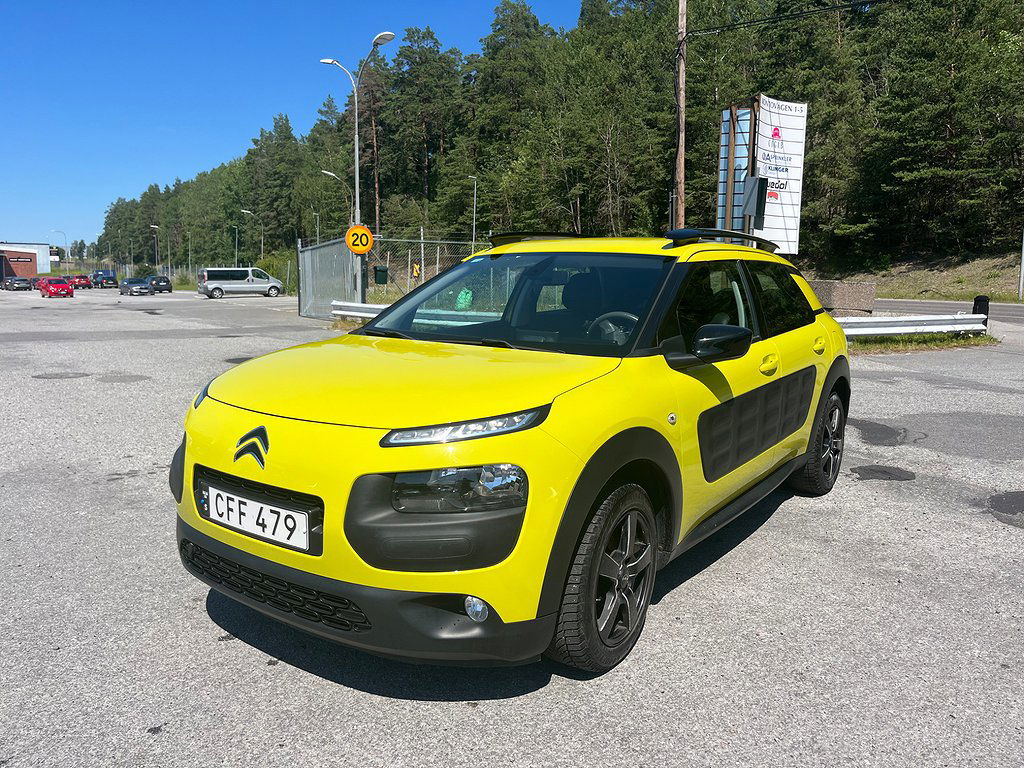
359 239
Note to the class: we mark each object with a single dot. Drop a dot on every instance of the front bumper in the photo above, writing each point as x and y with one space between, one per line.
411 625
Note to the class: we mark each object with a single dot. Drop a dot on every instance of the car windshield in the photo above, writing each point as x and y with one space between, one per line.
56 281
135 281
579 303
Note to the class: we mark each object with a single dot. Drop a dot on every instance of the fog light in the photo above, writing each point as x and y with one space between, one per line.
476 609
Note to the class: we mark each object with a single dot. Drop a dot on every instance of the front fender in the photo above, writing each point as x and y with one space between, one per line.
637 443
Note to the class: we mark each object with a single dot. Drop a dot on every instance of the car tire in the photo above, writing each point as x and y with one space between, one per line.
611 578
272 291
216 293
825 450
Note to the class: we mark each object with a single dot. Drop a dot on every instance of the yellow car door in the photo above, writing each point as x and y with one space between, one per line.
720 406
804 348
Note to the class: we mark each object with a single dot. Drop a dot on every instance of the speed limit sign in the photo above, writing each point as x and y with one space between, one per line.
359 239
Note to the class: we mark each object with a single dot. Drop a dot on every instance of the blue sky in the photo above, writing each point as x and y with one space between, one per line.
99 99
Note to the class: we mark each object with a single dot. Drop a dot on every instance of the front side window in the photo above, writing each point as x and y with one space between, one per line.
783 305
579 303
259 274
712 294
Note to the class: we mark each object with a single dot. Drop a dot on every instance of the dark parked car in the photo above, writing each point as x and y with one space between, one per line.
17 284
160 283
103 278
136 286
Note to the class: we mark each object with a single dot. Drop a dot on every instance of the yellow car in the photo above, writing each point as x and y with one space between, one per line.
497 465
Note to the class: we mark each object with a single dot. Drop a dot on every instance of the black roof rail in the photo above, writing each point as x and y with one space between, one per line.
505 238
685 236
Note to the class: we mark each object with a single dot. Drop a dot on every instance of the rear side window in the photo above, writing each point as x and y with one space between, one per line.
783 305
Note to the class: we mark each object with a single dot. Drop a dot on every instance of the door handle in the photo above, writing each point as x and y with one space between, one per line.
819 345
769 364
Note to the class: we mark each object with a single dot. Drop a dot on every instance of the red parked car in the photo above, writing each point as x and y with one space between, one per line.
80 281
55 286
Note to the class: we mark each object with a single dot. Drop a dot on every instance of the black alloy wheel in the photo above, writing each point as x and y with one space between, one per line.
832 440
609 585
625 577
824 451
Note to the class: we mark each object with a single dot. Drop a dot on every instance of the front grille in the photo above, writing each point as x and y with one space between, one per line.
330 610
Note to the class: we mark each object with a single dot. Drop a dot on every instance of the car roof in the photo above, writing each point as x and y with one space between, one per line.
653 246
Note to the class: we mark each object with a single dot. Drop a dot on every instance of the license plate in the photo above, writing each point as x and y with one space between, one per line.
287 527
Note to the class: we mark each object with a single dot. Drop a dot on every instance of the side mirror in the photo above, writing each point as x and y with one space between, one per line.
714 343
711 344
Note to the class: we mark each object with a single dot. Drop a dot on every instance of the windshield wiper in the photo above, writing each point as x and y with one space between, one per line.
387 333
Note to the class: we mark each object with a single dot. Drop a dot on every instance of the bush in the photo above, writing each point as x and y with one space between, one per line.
144 270
281 264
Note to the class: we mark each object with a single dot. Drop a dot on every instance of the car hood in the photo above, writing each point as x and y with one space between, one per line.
366 381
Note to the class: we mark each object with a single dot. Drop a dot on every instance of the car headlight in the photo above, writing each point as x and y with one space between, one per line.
466 430
460 489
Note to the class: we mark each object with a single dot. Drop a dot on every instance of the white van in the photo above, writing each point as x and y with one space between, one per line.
215 282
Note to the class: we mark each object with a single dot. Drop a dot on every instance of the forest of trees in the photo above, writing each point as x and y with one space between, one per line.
915 134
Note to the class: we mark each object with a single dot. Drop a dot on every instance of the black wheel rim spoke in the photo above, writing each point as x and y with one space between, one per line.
832 442
625 575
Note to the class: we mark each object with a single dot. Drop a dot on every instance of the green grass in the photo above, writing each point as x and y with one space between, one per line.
874 345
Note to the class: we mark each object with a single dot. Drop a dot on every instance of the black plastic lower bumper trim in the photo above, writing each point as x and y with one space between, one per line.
425 626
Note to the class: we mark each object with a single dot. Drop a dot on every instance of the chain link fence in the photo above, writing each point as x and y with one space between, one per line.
408 264
329 271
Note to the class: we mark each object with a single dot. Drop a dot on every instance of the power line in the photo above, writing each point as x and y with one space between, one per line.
781 17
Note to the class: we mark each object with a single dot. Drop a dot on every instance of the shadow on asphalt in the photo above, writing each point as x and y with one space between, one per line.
716 546
423 682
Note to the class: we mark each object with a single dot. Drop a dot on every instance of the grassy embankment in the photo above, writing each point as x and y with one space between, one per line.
951 279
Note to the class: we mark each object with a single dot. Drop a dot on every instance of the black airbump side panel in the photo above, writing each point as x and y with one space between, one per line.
733 433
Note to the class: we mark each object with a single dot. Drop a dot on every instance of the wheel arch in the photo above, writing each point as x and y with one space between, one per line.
838 378
638 455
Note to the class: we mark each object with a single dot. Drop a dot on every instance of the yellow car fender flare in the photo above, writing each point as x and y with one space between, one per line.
639 455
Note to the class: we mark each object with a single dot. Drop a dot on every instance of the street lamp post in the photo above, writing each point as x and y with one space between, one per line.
379 40
156 245
250 213
474 211
189 253
236 243
317 227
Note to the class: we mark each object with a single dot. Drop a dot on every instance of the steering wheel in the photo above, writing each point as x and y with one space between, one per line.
613 331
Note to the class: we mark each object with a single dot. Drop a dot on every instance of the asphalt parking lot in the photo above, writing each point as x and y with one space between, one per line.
880 625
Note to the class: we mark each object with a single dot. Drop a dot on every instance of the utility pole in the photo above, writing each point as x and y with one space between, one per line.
1020 284
474 211
236 244
317 227
679 219
189 252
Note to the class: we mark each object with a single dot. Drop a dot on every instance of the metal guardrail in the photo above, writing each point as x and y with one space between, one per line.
355 309
351 309
853 326
910 324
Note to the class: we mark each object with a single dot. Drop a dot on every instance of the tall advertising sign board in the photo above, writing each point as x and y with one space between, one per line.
760 170
779 157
